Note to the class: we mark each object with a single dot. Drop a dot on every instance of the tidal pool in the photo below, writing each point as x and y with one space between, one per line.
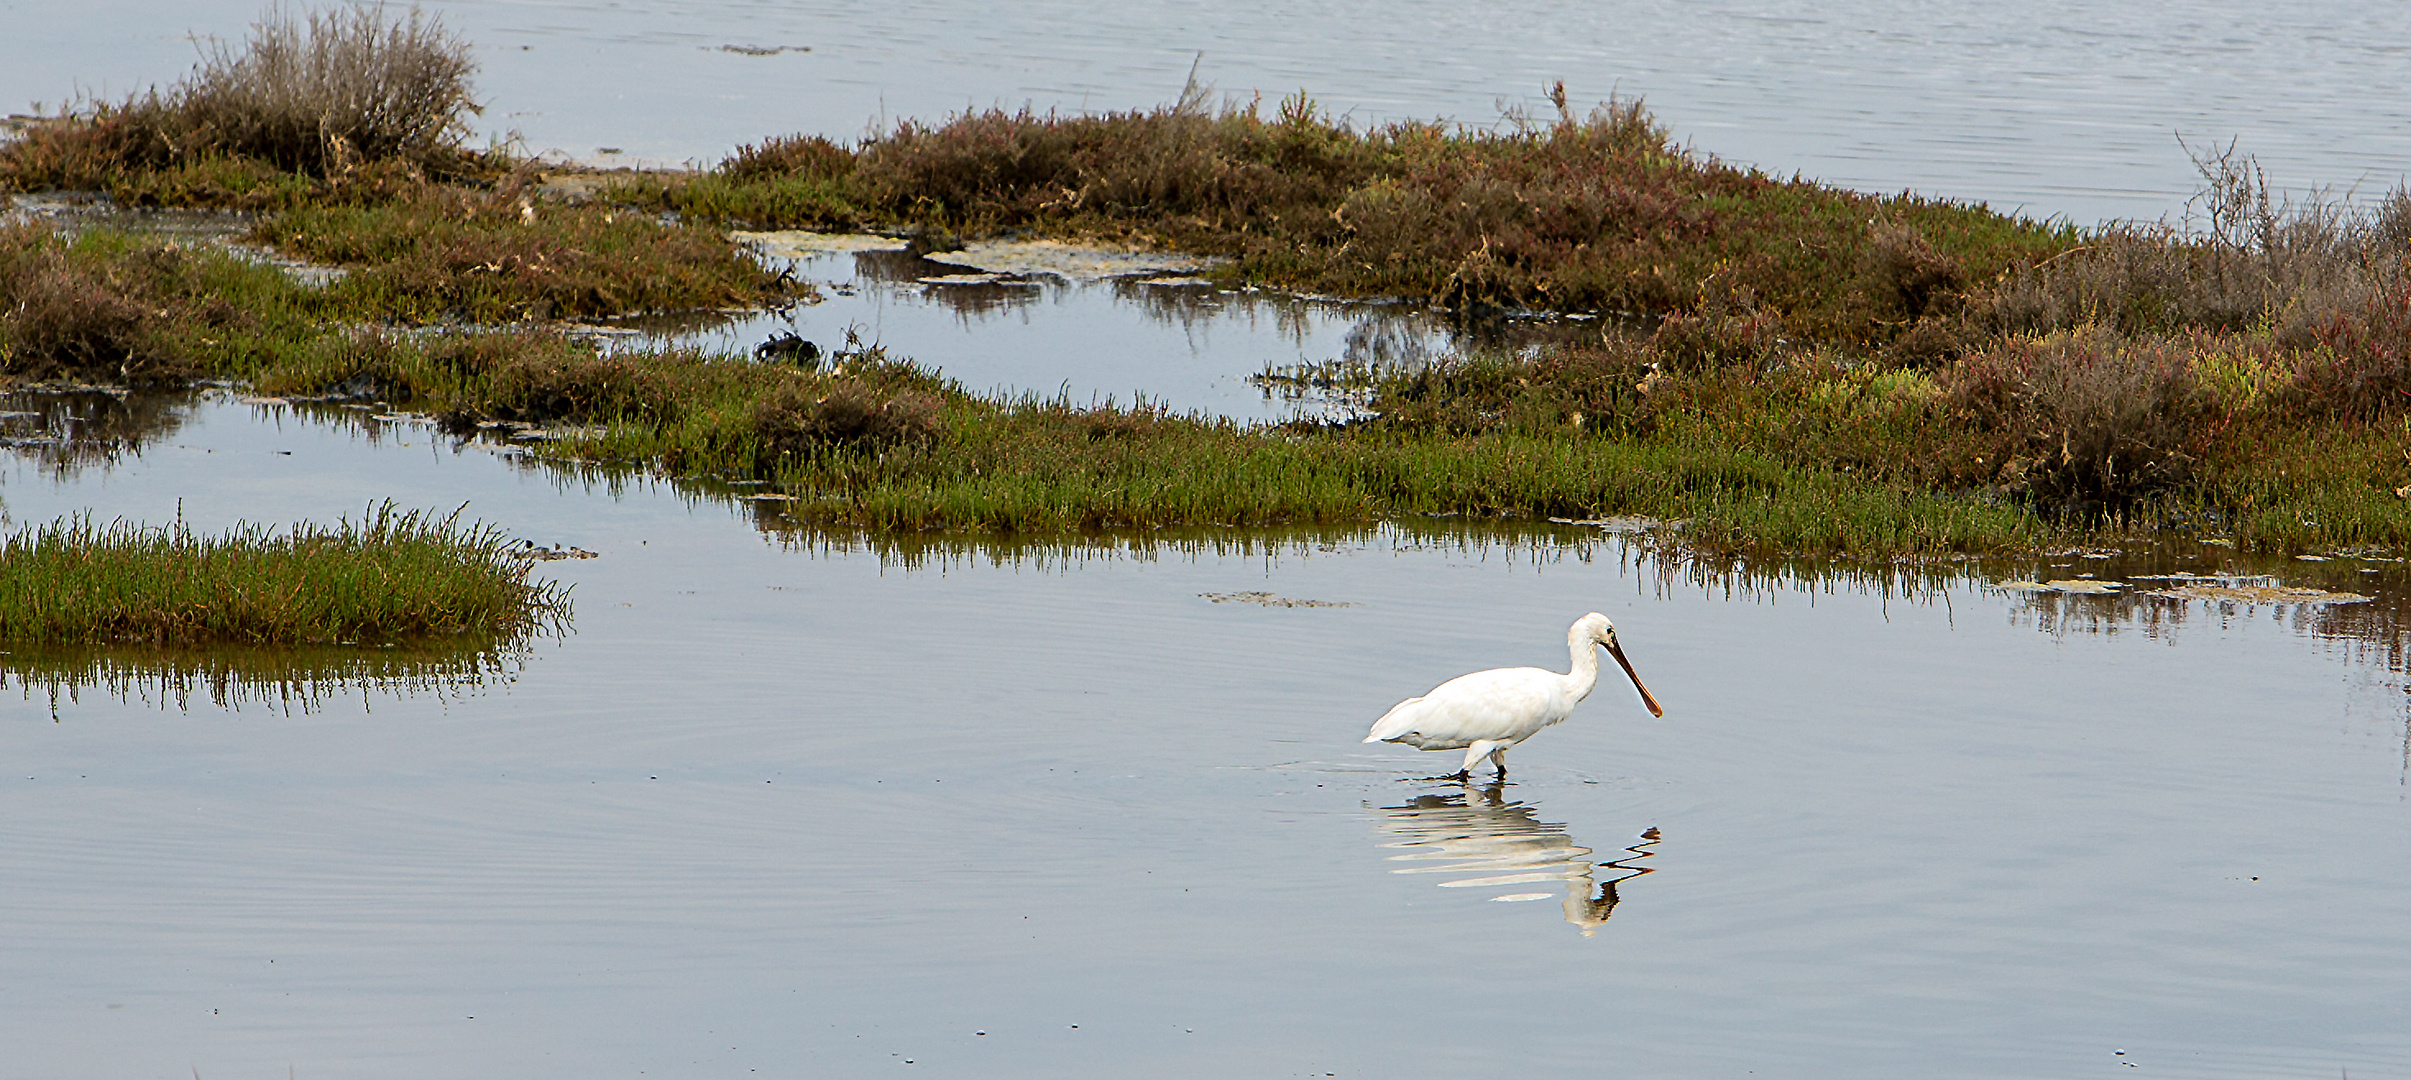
1166 338
779 804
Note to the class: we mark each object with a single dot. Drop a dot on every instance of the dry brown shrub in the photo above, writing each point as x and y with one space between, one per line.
1931 342
789 155
331 89
1717 335
62 319
2245 258
2390 226
2135 279
1118 423
801 417
327 93
2086 416
1907 273
2358 361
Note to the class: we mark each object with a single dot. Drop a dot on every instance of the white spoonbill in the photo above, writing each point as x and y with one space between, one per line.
1488 711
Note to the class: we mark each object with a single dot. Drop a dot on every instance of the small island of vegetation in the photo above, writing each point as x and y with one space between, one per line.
392 577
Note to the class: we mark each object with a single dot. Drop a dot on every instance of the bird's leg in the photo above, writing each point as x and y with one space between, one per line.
1498 760
1474 753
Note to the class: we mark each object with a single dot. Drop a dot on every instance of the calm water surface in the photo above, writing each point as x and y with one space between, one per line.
804 809
2056 107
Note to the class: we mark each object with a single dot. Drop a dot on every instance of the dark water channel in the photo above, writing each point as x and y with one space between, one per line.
789 805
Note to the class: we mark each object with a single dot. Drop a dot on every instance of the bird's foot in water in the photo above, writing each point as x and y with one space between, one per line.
1460 776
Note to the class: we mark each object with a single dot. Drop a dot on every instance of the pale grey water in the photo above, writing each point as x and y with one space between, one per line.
802 811
2056 108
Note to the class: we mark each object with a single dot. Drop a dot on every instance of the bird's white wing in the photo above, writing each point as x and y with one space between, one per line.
1502 703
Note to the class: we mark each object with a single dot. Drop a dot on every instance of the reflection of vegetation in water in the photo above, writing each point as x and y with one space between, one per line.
1475 831
2377 630
968 299
289 680
1524 542
2154 591
67 430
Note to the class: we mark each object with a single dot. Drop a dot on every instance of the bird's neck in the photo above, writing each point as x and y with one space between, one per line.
1585 674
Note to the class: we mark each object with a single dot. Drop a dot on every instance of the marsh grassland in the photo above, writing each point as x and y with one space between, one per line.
1783 366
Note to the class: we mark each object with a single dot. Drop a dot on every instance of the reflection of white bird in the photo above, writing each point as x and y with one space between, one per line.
1488 711
1477 832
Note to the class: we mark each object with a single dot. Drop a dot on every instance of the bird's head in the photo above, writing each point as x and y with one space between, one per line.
1597 628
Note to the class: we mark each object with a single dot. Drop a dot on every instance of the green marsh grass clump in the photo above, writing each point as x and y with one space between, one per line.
678 409
2053 439
392 576
787 182
349 97
875 443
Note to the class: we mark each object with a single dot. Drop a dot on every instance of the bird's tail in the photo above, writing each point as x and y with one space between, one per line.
1396 722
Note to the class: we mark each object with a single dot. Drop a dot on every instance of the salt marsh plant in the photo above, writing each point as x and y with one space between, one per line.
391 576
132 310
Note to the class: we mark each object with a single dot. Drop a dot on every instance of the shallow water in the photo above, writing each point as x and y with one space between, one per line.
2055 108
803 808
1169 340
